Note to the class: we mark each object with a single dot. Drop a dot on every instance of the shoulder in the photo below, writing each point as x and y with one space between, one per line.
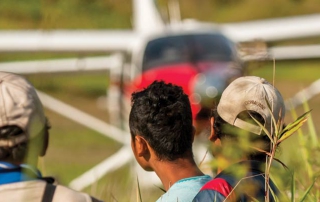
185 189
216 189
197 180
63 193
35 189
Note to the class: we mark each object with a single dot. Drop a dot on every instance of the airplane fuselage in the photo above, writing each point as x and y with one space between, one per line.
202 63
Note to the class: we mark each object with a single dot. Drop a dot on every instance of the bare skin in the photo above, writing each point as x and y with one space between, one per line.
169 172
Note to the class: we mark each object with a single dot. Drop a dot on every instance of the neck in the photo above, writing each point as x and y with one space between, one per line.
170 172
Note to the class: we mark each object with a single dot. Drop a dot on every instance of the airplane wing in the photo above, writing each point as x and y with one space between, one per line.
116 60
146 20
285 53
66 41
295 52
63 65
126 40
274 29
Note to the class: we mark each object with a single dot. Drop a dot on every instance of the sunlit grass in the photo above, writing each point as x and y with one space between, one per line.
73 14
299 71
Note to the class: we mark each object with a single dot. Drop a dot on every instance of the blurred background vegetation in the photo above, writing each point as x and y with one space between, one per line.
99 14
74 149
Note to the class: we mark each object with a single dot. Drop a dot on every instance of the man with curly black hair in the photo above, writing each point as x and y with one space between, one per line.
24 136
161 138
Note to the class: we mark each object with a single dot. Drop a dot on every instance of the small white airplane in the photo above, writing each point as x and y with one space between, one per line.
131 47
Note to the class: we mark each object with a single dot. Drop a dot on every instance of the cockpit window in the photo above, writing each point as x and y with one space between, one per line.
187 48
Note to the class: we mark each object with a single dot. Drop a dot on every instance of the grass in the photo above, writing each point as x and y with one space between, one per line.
299 151
92 85
234 10
93 14
300 159
301 71
58 14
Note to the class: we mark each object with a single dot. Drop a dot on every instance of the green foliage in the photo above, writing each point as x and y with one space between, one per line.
304 196
281 134
278 135
291 128
305 183
298 72
74 14
293 188
239 10
91 85
100 14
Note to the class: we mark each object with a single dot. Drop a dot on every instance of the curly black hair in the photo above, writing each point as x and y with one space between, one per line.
161 114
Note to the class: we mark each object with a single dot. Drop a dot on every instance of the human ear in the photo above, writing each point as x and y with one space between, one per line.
141 146
45 142
213 137
193 132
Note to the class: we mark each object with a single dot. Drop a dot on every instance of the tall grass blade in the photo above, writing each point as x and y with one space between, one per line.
273 194
139 197
274 126
307 192
311 128
304 150
262 151
297 121
204 158
293 127
279 161
293 187
160 188
263 128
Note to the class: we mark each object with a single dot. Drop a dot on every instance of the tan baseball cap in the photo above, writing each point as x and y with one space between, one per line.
20 106
251 93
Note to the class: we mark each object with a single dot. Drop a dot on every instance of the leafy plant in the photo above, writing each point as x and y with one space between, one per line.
280 134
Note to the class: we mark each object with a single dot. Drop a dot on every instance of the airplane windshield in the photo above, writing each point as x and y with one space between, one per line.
191 48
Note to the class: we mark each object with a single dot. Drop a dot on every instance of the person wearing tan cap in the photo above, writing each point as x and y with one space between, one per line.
24 131
242 140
